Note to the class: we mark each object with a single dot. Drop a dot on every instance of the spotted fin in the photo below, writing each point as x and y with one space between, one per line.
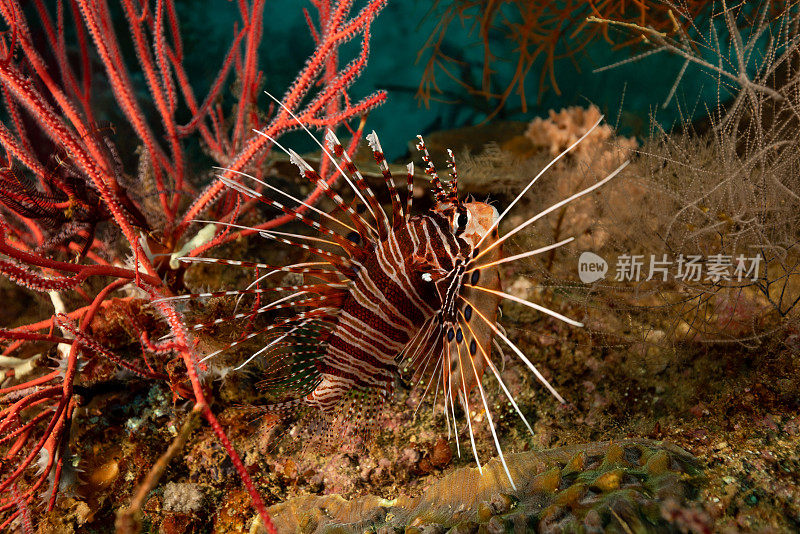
471 343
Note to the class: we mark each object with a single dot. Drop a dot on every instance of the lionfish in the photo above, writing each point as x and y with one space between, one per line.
393 293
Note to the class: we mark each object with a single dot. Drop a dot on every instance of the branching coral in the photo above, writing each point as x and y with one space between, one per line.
744 47
532 35
735 189
62 180
521 38
726 196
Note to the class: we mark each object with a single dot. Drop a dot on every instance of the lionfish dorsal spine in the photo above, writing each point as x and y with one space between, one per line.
451 165
323 228
372 202
380 159
430 169
410 185
363 228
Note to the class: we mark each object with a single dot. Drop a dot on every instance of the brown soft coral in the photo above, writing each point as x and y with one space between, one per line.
601 148
599 153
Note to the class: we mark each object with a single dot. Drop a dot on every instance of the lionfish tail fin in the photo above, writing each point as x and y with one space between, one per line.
283 409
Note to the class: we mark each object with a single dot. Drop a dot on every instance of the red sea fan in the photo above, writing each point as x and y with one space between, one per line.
62 180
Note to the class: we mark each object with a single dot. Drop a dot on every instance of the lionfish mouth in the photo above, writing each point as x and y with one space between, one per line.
387 293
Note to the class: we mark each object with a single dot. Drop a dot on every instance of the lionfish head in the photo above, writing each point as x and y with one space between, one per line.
471 221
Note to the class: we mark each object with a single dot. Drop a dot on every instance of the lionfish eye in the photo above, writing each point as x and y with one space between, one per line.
462 219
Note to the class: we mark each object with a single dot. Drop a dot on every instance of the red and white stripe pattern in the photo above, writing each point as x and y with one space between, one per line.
400 292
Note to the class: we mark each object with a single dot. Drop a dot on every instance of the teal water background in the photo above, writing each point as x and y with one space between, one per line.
397 36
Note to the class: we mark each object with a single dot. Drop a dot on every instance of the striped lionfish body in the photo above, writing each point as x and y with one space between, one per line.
392 294
403 305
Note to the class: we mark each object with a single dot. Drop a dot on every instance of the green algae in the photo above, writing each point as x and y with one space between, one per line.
597 487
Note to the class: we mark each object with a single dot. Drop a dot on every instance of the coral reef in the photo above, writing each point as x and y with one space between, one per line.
182 497
91 393
598 487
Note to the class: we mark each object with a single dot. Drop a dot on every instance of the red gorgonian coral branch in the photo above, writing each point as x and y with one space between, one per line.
65 180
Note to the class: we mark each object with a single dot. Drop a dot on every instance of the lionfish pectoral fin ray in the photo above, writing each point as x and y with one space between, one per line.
423 360
419 354
411 353
463 395
230 346
362 227
539 250
490 422
552 208
319 314
285 407
304 268
530 304
374 206
228 181
300 373
335 259
248 264
321 146
252 284
326 275
535 178
496 373
260 351
433 381
311 288
320 227
270 306
380 158
448 398
519 353
410 186
271 234
273 343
